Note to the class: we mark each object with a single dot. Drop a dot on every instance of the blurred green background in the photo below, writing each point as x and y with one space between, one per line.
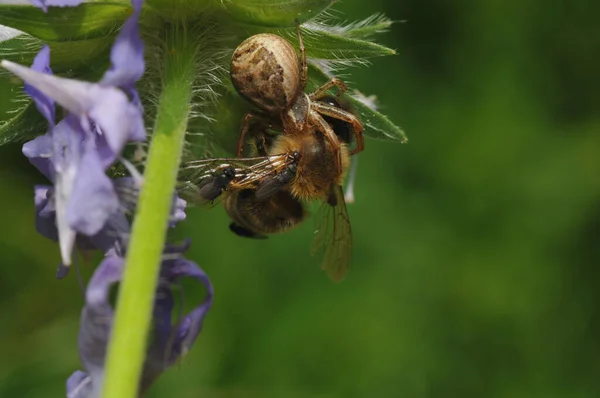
477 245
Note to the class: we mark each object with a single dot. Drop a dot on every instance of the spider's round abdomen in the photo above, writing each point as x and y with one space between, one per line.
265 70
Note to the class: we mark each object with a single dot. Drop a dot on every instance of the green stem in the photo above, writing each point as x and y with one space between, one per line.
127 348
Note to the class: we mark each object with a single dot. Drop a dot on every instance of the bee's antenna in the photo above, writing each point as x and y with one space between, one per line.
349 196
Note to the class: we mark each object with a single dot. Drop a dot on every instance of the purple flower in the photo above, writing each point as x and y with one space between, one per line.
39 151
44 104
45 220
168 342
75 153
105 108
104 112
115 229
127 56
177 211
84 197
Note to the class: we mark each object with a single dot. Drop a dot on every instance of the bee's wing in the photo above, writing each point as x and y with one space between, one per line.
333 237
200 175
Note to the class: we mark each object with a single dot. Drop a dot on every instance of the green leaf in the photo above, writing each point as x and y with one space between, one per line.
68 56
177 11
376 124
10 93
275 13
365 29
13 102
23 124
64 56
88 20
322 44
20 49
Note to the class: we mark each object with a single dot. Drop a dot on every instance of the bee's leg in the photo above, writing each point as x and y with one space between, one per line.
322 91
244 233
339 113
303 63
324 127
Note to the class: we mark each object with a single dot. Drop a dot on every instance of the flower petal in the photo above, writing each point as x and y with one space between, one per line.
39 151
159 348
127 54
191 325
127 65
65 159
171 342
93 199
115 233
177 211
168 343
45 217
117 118
95 328
62 271
97 315
79 385
44 104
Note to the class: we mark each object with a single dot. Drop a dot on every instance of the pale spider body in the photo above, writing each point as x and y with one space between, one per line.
267 72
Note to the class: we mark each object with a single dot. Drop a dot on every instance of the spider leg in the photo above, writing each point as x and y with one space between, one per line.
249 122
322 91
339 113
303 62
324 127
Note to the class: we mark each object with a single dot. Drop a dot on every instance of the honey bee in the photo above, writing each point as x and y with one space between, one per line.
265 193
267 72
209 178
